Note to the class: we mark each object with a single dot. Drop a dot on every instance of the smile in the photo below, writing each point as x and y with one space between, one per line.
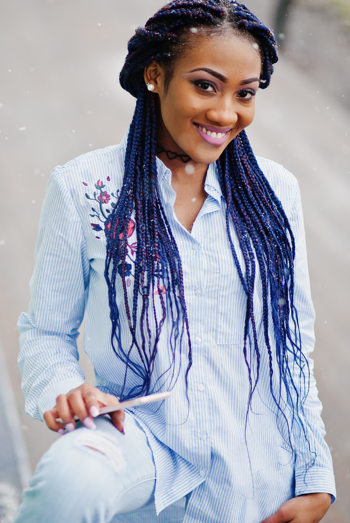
211 136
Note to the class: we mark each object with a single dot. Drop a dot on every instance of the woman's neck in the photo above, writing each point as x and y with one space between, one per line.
190 173
187 180
184 172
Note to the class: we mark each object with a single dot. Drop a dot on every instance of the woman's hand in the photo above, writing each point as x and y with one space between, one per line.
309 508
85 402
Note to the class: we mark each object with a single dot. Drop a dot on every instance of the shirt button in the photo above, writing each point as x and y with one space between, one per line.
197 339
202 472
203 436
201 387
196 247
198 291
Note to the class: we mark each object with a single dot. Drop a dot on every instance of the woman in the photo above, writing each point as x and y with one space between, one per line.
188 256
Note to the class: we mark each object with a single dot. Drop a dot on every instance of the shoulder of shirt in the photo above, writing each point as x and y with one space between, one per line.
276 173
95 165
282 181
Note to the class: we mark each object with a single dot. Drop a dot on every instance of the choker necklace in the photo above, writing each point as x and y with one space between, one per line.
171 155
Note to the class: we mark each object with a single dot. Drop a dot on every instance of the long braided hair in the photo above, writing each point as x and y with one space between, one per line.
260 222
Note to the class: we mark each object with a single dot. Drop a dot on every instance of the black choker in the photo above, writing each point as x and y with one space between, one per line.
183 157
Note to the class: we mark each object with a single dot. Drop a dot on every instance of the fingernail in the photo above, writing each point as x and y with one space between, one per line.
89 424
61 431
70 427
123 431
94 411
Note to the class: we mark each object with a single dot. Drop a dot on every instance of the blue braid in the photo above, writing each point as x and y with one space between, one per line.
262 227
157 259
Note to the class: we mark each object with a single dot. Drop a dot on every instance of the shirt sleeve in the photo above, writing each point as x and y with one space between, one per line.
319 477
48 358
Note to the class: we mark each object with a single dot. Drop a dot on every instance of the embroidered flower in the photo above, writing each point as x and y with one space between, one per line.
102 214
96 227
160 290
132 248
131 228
104 197
129 232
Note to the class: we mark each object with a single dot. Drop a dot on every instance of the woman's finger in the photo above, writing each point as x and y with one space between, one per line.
107 399
78 406
50 420
93 398
118 418
64 412
92 404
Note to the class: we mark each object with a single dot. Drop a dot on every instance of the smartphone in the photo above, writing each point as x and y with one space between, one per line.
130 403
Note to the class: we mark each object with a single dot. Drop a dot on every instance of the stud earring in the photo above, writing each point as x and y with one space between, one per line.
150 87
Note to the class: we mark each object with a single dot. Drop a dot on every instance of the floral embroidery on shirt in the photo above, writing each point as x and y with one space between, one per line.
160 290
101 212
102 198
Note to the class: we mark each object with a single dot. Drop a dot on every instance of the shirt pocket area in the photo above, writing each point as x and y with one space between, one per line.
232 303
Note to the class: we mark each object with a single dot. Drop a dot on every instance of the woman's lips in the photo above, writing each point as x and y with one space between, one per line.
211 135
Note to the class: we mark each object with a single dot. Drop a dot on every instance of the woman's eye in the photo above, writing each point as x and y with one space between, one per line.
246 94
205 86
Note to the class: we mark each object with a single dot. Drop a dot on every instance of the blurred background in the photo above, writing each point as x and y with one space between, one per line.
60 97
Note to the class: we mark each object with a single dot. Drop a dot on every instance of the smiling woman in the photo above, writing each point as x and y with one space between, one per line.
196 283
209 104
204 108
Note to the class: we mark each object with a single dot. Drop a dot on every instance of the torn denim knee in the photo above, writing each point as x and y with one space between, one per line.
105 445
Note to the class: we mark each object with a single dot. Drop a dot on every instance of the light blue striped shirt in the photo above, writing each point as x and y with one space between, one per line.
203 448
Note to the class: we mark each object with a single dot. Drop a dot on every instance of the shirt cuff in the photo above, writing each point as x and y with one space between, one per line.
48 401
315 480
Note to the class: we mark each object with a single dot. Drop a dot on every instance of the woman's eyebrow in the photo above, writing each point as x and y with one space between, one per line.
221 77
250 80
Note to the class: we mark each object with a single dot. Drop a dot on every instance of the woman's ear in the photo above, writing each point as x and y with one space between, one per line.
154 77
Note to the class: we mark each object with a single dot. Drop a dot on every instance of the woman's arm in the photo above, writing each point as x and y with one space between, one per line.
319 477
304 509
48 358
314 485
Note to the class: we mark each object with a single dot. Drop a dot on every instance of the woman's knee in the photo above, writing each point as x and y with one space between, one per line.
81 463
100 468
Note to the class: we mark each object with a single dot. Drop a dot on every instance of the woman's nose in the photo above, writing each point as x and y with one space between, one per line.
224 113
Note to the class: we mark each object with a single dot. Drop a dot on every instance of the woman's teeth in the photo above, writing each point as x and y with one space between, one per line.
210 133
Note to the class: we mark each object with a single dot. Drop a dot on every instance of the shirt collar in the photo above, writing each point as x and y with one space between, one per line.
212 184
124 143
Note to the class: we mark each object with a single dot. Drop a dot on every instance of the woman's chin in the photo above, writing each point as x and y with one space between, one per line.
206 157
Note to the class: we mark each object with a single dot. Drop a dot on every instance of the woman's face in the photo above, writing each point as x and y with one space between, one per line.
211 96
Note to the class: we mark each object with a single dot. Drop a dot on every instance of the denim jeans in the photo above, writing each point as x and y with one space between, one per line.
96 476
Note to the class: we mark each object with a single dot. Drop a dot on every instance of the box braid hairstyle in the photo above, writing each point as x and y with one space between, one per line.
262 227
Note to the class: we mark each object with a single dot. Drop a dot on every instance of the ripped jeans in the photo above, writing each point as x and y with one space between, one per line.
96 476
